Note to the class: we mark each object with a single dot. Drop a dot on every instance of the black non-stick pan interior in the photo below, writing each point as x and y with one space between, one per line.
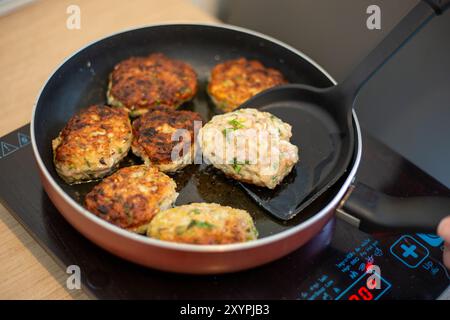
82 80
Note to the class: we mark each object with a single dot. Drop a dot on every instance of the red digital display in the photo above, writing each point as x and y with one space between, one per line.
363 293
365 288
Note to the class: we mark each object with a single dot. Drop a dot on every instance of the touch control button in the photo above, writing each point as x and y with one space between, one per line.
409 251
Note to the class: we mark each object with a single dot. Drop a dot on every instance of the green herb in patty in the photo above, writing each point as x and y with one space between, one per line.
199 224
238 166
226 130
236 124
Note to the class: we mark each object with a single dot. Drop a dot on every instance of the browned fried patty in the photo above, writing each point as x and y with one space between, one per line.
92 143
152 138
139 83
132 196
203 223
235 81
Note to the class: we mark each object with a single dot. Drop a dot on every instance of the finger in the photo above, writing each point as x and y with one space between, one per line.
447 255
443 229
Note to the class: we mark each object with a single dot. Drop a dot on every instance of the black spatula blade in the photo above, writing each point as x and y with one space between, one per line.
320 146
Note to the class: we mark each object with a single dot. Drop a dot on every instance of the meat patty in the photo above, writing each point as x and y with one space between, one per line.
139 83
92 143
153 134
235 81
203 223
250 146
132 196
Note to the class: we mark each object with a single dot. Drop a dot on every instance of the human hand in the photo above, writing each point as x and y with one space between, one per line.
444 232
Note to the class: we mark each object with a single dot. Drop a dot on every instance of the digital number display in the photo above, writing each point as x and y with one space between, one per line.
359 290
363 293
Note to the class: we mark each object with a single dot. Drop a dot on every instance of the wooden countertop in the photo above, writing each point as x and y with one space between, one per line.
33 42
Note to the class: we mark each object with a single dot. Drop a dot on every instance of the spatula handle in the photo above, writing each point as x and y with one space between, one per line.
438 6
399 36
376 211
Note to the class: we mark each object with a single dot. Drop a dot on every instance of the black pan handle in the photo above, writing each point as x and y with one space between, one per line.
417 18
438 6
375 211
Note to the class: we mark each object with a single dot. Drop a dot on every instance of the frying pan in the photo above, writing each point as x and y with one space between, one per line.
81 80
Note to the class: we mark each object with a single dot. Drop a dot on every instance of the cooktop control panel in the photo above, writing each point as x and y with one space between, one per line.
372 267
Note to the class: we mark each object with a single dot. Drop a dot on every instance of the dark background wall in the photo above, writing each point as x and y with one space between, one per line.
407 104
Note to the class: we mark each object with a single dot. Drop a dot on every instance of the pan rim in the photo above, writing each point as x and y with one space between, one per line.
183 246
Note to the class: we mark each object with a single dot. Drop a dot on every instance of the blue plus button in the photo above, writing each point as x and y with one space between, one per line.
409 251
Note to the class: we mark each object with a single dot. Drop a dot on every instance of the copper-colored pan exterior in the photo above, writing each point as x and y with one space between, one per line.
187 258
181 260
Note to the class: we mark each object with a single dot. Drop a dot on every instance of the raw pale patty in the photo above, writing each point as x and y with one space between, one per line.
250 146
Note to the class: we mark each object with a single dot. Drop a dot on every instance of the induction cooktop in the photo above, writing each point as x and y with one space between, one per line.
341 263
